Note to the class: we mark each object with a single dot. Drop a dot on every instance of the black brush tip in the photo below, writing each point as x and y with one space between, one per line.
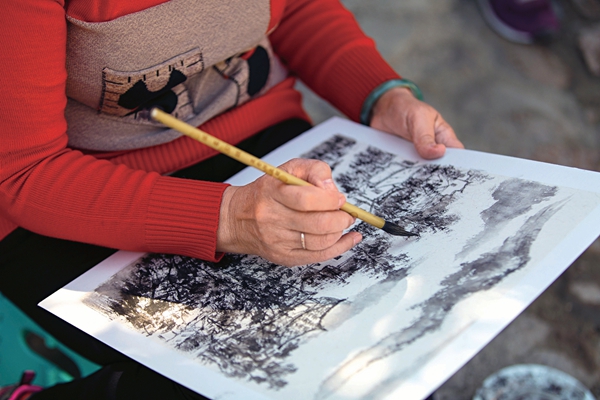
396 230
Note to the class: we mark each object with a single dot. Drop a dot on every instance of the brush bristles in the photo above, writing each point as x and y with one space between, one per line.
396 230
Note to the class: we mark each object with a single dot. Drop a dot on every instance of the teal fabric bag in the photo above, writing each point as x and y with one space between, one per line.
24 345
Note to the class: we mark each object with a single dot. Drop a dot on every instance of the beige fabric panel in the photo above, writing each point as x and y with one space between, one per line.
185 51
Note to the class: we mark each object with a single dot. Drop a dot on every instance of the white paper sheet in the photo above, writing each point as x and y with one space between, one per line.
393 318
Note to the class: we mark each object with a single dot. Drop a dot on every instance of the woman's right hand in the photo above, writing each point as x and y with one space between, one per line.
268 217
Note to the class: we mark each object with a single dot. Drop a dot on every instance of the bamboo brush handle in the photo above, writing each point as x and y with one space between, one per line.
252 161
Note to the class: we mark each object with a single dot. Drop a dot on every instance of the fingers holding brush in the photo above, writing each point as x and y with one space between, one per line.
317 252
286 224
330 245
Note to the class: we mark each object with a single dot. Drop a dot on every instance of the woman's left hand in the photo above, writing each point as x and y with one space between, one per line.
398 112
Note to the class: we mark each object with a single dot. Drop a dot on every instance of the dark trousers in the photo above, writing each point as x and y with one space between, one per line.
33 267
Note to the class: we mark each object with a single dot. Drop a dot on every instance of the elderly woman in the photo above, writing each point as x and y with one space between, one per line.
82 173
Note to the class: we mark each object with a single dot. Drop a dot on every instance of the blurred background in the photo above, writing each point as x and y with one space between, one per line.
539 102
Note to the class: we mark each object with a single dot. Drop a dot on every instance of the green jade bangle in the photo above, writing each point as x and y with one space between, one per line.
365 112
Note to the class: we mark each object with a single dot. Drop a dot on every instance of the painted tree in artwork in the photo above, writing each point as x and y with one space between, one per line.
245 315
404 191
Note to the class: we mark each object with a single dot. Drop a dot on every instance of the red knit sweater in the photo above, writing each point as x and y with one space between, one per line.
121 199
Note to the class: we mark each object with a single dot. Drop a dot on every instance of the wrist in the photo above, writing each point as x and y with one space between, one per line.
225 231
373 98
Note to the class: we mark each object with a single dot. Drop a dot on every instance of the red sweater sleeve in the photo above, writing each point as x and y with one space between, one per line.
50 189
322 43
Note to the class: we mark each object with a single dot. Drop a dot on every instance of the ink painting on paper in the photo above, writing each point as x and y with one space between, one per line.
371 322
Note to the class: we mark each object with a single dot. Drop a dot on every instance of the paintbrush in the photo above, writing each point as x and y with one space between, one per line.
252 161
